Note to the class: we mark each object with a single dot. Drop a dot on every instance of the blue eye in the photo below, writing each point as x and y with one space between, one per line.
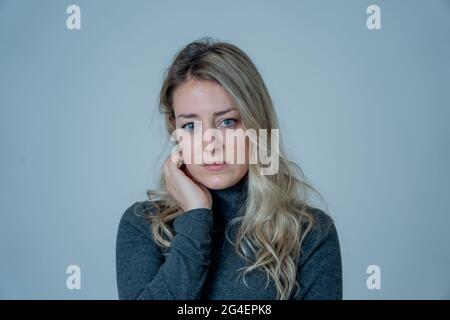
229 122
185 126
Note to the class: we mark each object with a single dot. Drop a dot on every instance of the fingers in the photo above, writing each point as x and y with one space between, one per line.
176 155
175 180
171 164
168 168
172 173
186 191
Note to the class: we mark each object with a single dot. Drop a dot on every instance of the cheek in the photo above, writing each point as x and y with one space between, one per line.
193 172
240 149
188 150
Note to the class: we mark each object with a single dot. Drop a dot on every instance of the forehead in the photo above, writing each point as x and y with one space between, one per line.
201 97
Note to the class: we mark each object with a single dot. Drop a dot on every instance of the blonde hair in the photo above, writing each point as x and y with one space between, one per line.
275 217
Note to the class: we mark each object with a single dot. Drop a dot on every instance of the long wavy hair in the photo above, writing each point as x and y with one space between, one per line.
275 217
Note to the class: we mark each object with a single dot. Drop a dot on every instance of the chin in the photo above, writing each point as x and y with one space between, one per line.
217 180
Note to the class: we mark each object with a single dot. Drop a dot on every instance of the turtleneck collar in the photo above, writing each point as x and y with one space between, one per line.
227 202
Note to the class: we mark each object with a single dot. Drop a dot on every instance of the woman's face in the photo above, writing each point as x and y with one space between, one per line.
204 104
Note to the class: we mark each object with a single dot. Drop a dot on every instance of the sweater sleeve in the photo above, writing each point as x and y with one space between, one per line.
320 266
143 273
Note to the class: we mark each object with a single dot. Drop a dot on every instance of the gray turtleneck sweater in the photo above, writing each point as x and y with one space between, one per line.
202 263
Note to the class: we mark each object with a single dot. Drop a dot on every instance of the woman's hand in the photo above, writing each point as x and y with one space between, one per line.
188 194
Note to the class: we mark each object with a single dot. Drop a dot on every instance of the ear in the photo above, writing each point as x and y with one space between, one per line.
172 120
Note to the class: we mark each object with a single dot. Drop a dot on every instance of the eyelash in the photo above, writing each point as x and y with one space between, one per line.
184 126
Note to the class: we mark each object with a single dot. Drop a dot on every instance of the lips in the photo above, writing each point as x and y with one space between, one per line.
214 163
215 166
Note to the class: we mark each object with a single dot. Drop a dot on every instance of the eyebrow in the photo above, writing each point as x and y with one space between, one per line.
194 115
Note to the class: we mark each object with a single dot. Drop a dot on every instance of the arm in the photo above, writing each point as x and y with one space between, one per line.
142 271
320 269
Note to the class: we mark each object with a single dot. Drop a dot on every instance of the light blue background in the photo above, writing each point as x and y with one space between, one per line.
365 114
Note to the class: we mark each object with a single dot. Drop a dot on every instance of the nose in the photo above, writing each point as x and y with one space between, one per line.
212 139
213 142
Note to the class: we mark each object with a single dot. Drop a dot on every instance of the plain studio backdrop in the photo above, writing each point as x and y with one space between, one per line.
364 112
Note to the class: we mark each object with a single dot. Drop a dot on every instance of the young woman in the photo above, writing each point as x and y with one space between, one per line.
222 229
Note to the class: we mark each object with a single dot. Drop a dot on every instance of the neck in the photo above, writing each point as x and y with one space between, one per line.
228 202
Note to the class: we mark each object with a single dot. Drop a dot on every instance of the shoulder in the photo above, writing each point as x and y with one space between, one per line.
137 215
320 264
323 223
323 230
